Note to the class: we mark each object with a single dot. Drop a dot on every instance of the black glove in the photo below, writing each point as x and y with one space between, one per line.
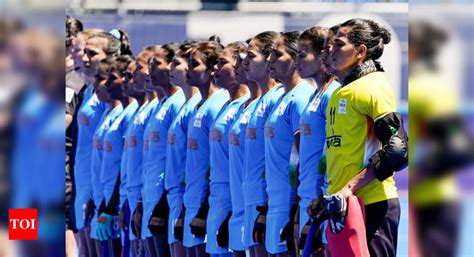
287 232
198 224
158 222
304 234
137 220
223 232
89 212
178 225
122 222
337 210
260 225
315 207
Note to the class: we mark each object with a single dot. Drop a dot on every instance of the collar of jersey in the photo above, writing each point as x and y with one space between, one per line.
361 70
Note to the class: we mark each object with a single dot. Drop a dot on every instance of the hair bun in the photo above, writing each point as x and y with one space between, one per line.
215 38
385 34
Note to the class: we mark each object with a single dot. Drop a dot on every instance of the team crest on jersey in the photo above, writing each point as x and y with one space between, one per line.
198 120
233 139
342 106
230 114
281 109
161 113
305 129
215 135
245 117
251 133
314 104
261 109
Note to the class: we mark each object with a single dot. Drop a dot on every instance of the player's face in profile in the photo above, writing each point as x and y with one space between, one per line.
114 85
225 73
102 92
128 82
281 64
77 52
256 65
326 54
240 74
308 61
159 70
178 68
344 53
93 54
198 74
140 76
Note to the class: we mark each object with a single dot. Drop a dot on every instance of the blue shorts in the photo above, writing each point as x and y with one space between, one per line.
219 206
82 197
276 221
175 201
250 215
133 198
189 240
148 207
236 232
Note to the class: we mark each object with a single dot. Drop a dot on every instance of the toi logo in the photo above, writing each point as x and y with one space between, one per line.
23 224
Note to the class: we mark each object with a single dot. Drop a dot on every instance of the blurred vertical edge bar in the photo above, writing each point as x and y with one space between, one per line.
32 120
441 125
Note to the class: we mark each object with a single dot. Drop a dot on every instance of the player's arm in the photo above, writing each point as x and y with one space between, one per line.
392 157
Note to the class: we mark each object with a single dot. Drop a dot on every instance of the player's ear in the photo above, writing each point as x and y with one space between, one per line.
362 51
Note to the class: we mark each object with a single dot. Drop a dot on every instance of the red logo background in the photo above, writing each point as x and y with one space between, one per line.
15 217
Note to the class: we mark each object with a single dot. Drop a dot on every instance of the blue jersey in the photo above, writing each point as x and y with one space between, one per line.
134 145
254 159
236 156
28 118
177 143
108 118
312 140
197 161
154 146
280 129
89 115
113 149
219 143
49 158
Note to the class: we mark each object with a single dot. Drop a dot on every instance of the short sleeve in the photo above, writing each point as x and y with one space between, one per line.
297 108
375 102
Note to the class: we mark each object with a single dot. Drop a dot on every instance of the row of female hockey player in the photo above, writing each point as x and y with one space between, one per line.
196 149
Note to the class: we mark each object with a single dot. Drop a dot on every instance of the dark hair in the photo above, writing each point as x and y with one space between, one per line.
290 40
104 68
73 26
369 33
113 44
149 51
125 47
88 33
169 51
210 51
265 41
185 49
122 62
316 35
334 29
427 38
236 47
